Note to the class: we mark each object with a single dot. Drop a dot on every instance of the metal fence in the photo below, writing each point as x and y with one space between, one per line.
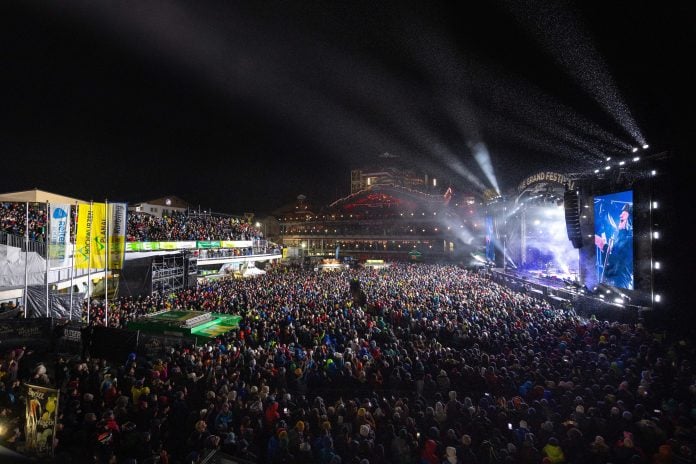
18 241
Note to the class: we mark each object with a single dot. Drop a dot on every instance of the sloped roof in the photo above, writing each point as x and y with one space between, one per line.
38 196
174 202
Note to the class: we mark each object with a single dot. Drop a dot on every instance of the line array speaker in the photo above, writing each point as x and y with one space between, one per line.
571 204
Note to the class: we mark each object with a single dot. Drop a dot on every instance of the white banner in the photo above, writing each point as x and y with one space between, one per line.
60 236
117 234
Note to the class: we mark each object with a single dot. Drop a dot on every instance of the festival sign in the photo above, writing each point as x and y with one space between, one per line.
42 407
546 176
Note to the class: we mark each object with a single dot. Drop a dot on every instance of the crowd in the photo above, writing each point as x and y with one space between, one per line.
141 227
13 220
439 366
188 226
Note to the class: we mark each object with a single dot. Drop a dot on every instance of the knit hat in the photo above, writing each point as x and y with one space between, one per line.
364 430
300 426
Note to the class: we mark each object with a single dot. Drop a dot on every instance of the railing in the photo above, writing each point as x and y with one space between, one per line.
18 241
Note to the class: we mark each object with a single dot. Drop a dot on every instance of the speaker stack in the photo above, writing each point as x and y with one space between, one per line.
571 204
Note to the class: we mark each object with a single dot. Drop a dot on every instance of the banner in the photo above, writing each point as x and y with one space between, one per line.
156 246
83 236
235 243
117 234
99 217
208 244
60 236
90 241
42 407
32 332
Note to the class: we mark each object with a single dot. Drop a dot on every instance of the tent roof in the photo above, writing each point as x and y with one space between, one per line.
37 196
252 271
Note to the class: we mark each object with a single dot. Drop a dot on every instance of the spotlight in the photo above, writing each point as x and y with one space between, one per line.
606 168
596 171
635 149
656 234
608 158
646 146
636 158
654 205
653 172
657 298
621 163
618 300
656 265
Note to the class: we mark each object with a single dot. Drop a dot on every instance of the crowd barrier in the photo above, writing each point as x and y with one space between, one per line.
70 338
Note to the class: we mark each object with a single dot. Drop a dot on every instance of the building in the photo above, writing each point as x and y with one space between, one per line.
160 207
385 221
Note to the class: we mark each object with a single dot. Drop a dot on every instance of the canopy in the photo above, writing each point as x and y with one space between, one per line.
252 271
37 196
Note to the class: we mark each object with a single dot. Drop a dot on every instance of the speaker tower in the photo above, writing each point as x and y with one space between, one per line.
571 204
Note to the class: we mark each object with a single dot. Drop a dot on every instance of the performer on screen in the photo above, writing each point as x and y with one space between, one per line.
617 251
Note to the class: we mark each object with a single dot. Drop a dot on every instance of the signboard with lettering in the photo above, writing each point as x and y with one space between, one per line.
30 332
546 176
42 407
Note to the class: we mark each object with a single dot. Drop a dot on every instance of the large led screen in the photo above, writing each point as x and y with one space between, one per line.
613 227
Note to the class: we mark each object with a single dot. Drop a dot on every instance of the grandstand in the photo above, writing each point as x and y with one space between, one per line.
163 251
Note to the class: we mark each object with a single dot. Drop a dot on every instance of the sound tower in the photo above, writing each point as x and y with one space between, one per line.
571 204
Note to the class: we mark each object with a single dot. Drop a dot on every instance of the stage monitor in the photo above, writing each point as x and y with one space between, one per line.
613 228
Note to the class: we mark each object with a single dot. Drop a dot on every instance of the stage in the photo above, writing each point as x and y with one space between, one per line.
566 293
186 323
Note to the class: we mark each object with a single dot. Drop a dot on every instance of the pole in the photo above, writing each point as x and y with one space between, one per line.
72 265
106 267
48 245
89 259
26 258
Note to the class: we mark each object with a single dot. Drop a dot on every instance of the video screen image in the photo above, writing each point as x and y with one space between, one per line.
613 237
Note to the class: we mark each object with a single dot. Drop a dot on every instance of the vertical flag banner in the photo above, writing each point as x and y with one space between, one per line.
91 230
42 406
98 257
60 236
83 236
117 234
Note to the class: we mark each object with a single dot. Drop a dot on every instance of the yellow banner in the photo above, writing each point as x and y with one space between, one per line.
42 411
97 258
82 238
90 241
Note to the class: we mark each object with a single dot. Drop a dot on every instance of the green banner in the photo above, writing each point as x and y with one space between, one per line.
155 246
208 244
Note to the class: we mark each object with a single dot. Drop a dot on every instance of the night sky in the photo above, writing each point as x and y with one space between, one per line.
242 106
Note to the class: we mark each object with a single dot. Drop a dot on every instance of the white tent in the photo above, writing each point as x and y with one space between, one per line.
252 271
